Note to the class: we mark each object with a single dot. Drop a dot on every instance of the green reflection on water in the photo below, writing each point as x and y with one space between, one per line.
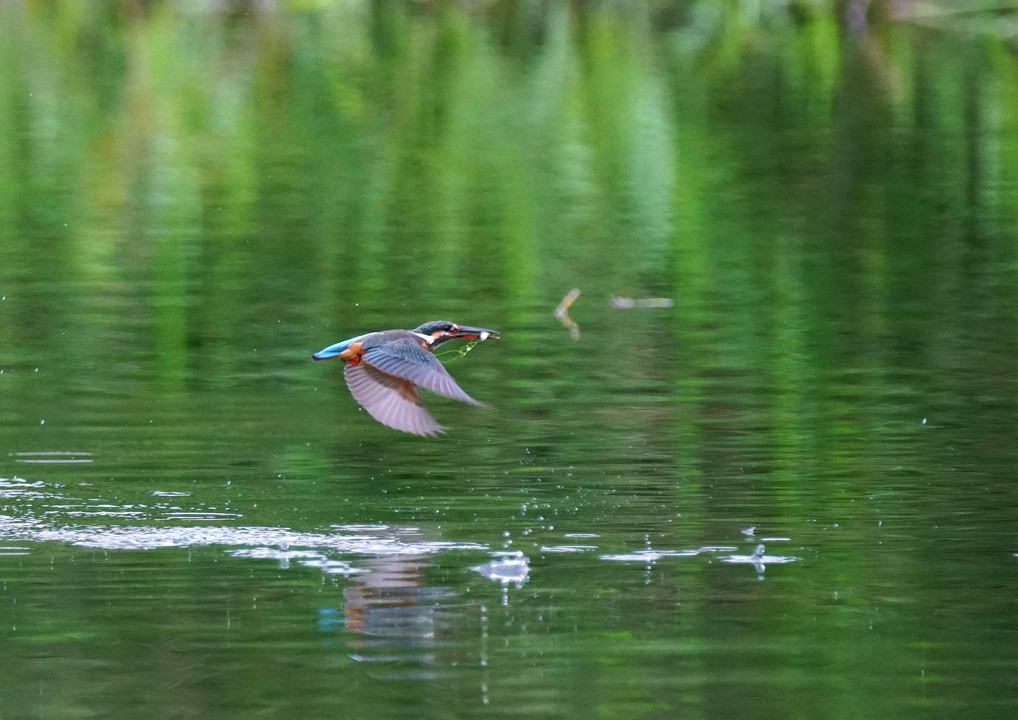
192 202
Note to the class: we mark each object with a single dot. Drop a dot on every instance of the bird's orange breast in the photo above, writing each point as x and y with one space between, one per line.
353 353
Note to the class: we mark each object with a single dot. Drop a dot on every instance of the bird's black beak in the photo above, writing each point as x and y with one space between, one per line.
466 332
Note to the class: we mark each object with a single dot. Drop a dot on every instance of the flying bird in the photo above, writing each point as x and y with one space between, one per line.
386 369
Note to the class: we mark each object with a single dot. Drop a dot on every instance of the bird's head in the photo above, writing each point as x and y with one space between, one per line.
437 332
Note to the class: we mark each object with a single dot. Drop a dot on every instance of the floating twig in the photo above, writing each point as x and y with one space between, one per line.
624 303
562 313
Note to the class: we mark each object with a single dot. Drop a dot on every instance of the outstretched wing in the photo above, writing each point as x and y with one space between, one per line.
406 359
390 400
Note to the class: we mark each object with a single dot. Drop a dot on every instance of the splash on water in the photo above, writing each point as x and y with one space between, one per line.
509 567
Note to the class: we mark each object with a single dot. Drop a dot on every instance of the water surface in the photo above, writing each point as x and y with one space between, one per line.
779 482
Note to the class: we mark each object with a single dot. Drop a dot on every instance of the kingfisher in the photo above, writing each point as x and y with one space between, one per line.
385 369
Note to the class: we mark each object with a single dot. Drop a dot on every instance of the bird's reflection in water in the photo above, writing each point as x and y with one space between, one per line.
393 615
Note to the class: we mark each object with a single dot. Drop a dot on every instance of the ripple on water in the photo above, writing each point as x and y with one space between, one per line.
648 555
306 558
150 538
757 558
149 527
17 487
567 548
14 550
52 457
199 515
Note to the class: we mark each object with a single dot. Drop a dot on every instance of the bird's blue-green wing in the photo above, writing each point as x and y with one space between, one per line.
406 359
390 400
